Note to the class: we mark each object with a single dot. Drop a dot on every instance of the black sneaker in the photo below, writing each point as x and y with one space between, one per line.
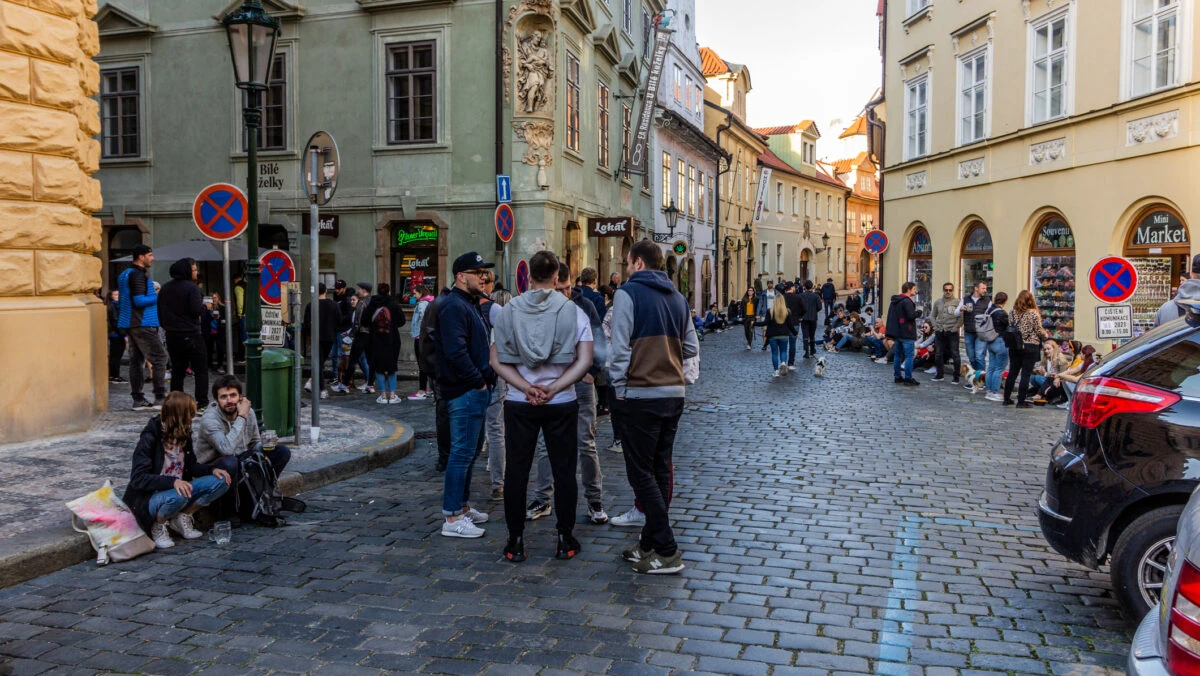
911 382
143 405
567 547
1024 404
937 379
898 381
514 551
537 509
954 382
1007 402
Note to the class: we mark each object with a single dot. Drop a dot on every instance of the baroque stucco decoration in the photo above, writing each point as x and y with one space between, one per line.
970 169
1047 151
1152 129
916 181
536 25
539 135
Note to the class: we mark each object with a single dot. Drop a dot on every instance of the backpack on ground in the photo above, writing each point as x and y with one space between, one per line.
985 330
258 497
381 321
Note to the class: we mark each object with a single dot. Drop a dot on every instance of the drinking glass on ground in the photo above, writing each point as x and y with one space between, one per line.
222 533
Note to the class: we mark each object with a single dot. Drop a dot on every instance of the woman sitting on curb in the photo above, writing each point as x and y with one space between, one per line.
167 485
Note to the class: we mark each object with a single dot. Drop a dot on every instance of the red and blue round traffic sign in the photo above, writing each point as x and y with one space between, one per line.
876 242
1113 279
506 223
522 276
221 211
275 270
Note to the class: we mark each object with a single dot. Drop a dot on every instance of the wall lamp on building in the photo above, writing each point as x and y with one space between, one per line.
824 244
672 213
252 36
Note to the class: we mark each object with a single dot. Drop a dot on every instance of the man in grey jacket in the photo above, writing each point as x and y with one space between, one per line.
228 431
946 323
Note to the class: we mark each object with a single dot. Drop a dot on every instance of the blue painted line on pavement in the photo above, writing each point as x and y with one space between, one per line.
896 638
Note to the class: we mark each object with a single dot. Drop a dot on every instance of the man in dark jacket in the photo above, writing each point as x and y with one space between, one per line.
465 378
810 302
139 319
428 363
902 328
829 297
182 313
587 286
795 306
328 316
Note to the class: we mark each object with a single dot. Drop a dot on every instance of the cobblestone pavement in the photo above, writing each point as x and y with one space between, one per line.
836 525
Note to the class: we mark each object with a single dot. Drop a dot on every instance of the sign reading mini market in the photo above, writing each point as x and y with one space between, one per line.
1159 228
611 227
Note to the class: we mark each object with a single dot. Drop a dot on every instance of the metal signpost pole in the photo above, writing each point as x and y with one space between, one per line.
228 310
294 308
314 234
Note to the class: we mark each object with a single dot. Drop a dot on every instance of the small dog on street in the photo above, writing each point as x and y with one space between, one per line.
819 368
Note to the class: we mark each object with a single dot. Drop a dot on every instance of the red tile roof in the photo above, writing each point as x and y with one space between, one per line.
770 159
826 178
711 63
844 166
785 129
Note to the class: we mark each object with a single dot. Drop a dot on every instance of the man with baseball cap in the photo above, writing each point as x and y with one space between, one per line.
1172 309
138 316
465 380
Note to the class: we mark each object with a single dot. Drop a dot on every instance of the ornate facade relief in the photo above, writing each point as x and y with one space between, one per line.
539 136
916 181
535 72
1047 151
970 169
1152 129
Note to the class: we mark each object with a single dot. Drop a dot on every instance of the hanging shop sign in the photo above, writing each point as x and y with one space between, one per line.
329 225
610 227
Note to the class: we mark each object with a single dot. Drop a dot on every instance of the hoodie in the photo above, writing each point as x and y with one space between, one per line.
180 302
537 328
652 333
901 318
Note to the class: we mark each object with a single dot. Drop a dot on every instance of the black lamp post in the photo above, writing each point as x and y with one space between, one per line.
672 213
747 235
252 35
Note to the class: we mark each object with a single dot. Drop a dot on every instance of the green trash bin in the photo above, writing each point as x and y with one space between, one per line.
279 391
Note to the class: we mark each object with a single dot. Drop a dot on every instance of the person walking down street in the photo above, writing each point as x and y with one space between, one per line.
811 304
167 484
116 337
651 337
182 314
495 413
423 300
327 333
361 337
778 330
902 328
465 379
383 318
996 349
795 306
765 300
345 326
138 318
543 347
946 323
1028 320
969 308
747 311
828 297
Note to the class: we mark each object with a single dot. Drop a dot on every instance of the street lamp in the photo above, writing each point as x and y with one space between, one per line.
747 234
672 213
824 243
252 35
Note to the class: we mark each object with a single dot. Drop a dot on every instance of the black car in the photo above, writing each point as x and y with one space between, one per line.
1128 461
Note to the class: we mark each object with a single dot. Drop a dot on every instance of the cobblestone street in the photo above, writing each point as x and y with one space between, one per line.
841 524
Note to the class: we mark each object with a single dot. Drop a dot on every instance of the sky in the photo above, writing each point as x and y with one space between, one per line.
809 59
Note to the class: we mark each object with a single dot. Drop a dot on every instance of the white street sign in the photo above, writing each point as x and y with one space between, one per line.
1114 321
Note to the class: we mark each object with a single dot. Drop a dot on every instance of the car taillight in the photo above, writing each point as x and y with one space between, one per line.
1183 638
1098 398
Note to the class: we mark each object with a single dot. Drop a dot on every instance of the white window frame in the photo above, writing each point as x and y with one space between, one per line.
910 86
971 57
678 89
914 6
1183 10
627 17
688 86
779 196
699 101
795 200
1066 14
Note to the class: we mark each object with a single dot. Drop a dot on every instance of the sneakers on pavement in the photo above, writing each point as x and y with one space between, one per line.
417 396
931 370
514 551
162 539
497 495
597 514
382 399
993 396
395 399
463 528
634 518
340 388
143 405
937 379
362 388
657 564
308 385
537 509
616 447
475 515
910 382
636 554
182 524
567 546
324 394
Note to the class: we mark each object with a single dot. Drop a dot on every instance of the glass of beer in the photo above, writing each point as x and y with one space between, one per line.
269 440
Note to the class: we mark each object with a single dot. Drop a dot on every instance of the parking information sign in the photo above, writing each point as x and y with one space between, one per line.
272 327
1114 321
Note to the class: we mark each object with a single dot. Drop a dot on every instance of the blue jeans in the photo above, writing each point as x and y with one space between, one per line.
205 489
976 351
905 350
876 345
779 347
385 383
996 364
791 350
468 413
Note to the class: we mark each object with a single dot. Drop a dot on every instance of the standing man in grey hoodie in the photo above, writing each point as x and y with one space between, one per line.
543 346
946 323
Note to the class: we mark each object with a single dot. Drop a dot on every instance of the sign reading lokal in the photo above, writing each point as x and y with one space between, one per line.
330 227
1114 321
610 227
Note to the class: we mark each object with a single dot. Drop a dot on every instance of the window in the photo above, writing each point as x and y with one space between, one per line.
1155 45
691 192
678 84
916 118
681 187
829 207
572 102
273 134
808 151
779 257
626 136
817 199
779 196
412 79
666 180
764 257
1050 69
701 208
120 96
602 122
839 209
795 190
806 203
915 6
699 102
712 205
627 19
972 99
646 33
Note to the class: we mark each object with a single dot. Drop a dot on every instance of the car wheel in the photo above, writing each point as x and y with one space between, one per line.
1139 560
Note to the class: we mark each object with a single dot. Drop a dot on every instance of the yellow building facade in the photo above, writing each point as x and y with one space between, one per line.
52 328
1028 140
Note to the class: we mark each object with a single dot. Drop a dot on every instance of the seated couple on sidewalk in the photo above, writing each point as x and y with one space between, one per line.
170 480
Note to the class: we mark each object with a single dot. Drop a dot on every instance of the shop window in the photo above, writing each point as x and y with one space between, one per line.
414 257
1159 247
1052 277
920 268
977 263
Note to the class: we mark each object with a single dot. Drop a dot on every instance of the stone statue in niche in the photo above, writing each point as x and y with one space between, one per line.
535 70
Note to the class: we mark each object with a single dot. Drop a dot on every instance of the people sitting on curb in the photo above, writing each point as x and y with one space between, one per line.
228 431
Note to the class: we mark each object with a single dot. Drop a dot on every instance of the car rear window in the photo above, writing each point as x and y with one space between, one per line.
1175 367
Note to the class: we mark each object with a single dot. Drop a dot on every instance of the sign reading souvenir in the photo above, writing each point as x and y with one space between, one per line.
1159 228
221 211
506 223
641 138
1055 234
610 227
1113 279
876 242
760 204
329 225
1114 321
275 271
522 276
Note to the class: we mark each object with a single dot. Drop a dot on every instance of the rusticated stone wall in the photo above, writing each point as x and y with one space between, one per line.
50 326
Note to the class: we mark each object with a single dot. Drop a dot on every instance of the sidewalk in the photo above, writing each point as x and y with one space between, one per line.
38 477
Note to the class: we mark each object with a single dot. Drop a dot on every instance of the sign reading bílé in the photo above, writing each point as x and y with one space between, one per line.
1114 321
270 176
1159 228
610 227
330 227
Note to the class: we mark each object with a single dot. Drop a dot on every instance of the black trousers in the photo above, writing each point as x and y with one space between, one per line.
188 351
116 350
808 330
442 425
356 350
1021 362
748 325
319 380
647 429
947 345
559 425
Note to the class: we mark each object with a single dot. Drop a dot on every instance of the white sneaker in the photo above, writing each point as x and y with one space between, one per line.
324 394
993 396
880 360
616 447
182 524
475 515
417 396
370 389
931 370
340 388
394 399
162 539
308 385
463 528
749 348
362 388
633 518
791 368
382 399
